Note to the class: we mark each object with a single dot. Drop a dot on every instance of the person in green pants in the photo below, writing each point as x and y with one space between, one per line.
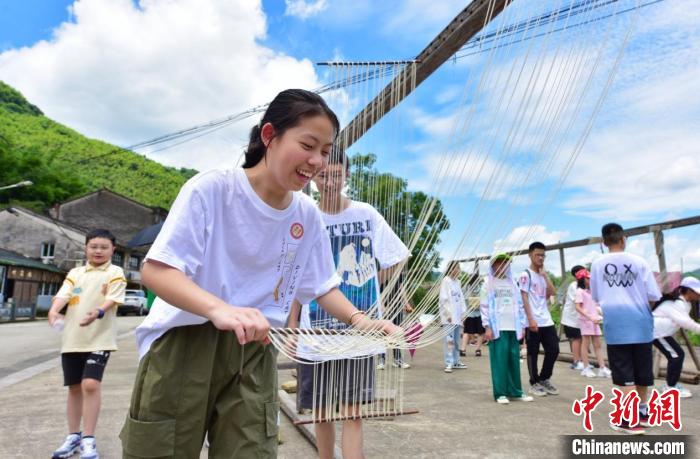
503 317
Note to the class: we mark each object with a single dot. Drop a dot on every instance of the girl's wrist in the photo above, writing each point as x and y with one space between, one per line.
352 321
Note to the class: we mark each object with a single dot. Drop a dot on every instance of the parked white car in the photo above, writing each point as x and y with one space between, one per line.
134 303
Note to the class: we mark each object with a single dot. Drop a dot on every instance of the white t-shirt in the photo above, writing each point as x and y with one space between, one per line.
233 245
569 315
359 238
623 285
535 285
504 294
452 302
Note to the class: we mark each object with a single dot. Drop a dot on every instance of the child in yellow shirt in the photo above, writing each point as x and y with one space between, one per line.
92 293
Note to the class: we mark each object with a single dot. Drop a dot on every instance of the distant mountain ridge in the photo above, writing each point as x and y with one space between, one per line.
28 135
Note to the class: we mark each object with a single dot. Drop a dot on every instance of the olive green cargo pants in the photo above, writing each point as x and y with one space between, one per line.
189 384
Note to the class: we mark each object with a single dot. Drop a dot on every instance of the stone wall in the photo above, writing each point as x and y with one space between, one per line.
24 234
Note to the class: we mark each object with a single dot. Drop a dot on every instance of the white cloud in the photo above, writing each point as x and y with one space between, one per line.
448 94
641 159
124 73
467 173
644 162
424 18
304 9
522 236
639 162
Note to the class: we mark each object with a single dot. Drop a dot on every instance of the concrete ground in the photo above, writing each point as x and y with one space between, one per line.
458 417
32 419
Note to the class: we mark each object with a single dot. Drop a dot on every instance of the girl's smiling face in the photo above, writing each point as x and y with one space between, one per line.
300 153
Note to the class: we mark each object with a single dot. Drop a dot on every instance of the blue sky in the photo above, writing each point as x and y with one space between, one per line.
126 71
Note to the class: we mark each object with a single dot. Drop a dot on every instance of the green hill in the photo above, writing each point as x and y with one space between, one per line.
57 159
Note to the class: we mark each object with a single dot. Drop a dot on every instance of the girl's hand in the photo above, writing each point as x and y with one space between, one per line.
249 324
385 326
488 334
54 316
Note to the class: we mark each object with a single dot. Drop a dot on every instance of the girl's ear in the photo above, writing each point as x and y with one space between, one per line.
267 133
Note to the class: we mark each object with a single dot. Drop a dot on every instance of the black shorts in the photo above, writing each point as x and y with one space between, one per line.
631 364
346 381
80 365
572 332
473 326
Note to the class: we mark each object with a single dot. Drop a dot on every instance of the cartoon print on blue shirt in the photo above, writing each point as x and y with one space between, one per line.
356 266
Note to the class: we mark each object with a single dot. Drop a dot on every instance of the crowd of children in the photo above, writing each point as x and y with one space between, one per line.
620 292
241 252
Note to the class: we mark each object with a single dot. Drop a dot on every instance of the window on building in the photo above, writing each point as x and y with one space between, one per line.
47 249
48 288
134 263
118 259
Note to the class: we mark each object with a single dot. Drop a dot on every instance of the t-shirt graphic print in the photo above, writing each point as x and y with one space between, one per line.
360 241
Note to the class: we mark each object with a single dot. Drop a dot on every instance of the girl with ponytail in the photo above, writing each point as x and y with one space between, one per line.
237 248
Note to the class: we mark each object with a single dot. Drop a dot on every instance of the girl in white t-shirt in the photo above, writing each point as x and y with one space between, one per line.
236 249
589 322
671 313
570 321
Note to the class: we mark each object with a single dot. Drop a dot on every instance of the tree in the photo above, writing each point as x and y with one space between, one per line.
401 208
52 182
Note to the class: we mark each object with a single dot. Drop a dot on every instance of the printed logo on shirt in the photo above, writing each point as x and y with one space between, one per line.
614 277
537 288
288 271
296 230
356 266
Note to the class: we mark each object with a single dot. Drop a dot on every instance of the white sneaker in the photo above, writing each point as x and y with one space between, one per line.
579 366
684 393
70 446
448 369
538 390
524 398
380 366
88 449
604 372
403 365
503 400
588 372
460 366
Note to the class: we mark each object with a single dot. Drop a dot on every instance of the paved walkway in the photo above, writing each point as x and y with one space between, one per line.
458 416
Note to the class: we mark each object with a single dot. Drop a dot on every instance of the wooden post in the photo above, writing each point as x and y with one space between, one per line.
562 288
472 19
563 263
659 243
691 350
